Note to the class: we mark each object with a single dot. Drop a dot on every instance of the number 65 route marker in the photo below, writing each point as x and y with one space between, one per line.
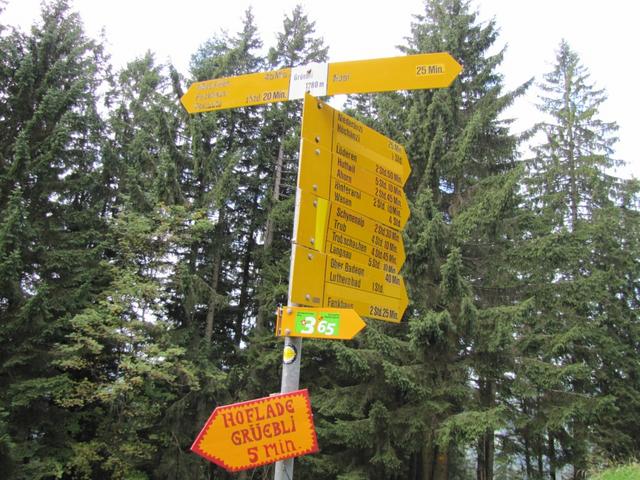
325 323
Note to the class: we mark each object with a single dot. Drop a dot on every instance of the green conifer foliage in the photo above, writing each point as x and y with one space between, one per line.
463 193
581 287
51 225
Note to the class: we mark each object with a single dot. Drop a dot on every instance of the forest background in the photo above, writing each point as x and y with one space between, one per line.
143 252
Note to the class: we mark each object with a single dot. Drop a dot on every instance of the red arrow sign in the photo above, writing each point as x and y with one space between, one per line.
249 434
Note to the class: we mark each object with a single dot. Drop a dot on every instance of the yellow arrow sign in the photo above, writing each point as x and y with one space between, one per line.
411 72
258 432
320 224
324 323
320 280
421 71
343 135
240 91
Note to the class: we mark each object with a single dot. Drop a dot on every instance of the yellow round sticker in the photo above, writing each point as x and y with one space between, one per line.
289 354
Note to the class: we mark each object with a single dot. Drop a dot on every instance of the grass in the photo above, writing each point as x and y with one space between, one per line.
626 472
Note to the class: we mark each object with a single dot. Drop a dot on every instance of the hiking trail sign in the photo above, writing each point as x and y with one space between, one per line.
323 323
254 433
350 210
347 243
409 72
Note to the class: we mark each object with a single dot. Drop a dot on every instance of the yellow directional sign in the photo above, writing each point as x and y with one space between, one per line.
421 71
346 272
258 432
344 181
366 304
350 209
319 280
240 91
325 226
351 139
411 72
324 323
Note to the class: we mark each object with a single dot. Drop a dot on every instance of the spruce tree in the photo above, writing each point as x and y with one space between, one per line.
582 223
296 45
50 135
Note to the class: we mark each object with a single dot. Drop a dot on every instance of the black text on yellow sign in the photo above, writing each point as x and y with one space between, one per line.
349 183
331 228
319 280
410 72
345 136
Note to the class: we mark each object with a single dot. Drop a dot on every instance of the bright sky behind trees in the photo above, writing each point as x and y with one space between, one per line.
602 34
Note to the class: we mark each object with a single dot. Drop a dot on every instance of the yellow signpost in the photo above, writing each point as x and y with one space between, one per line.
321 222
351 139
240 91
346 183
350 208
348 247
410 72
313 269
324 323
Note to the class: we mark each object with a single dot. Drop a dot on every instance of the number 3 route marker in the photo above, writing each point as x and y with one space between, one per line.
326 323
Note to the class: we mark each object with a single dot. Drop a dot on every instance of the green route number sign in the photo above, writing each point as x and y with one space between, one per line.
326 324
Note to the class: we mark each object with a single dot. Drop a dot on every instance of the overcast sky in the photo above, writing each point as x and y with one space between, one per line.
602 33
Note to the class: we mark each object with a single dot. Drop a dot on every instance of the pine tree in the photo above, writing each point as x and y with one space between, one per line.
581 222
50 138
463 193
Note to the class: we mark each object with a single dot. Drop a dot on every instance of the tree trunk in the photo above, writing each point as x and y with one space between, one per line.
244 290
442 464
551 453
486 448
571 158
540 449
261 319
527 455
216 261
428 458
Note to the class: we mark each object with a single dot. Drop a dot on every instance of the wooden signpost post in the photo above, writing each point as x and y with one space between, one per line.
347 247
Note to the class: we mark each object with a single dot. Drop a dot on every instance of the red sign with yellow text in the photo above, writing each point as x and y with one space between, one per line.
254 433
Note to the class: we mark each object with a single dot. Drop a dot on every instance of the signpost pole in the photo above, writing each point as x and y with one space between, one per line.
291 358
290 382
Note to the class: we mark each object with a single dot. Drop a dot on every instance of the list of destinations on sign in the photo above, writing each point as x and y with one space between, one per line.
350 210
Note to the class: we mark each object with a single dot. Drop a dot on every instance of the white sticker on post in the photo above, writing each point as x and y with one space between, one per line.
310 78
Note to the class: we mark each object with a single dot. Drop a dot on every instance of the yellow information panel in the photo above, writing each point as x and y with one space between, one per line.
366 304
421 71
258 432
343 135
410 72
323 226
240 91
341 180
350 210
323 323
318 279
